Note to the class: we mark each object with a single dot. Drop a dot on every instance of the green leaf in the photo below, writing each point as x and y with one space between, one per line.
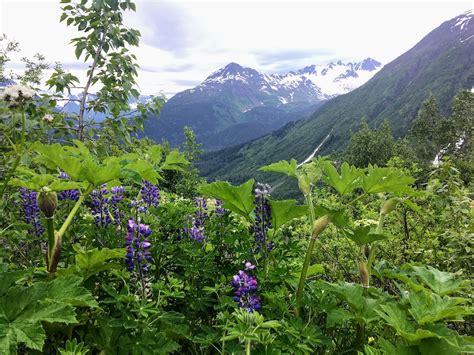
338 217
99 175
391 349
7 279
363 235
282 167
344 183
442 283
32 334
362 307
155 153
430 308
93 261
175 161
386 180
238 199
23 309
284 211
396 318
144 169
271 324
337 317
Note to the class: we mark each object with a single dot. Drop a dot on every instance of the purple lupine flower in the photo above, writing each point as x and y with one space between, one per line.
196 231
100 206
245 289
150 194
31 210
262 217
116 197
138 256
72 195
220 211
200 215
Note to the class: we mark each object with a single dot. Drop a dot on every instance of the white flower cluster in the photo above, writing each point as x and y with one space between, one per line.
17 94
48 118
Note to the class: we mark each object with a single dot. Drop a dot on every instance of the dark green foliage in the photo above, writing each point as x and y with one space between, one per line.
371 146
429 131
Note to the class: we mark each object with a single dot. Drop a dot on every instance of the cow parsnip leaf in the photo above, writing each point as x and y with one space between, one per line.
282 167
238 199
346 182
386 180
284 211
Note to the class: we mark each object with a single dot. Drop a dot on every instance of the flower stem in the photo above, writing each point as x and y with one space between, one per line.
51 240
248 347
373 249
70 217
318 227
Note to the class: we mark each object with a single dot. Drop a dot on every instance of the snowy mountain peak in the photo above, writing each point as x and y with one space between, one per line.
368 64
232 72
311 83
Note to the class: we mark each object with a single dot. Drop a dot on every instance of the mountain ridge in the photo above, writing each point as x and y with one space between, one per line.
235 99
440 63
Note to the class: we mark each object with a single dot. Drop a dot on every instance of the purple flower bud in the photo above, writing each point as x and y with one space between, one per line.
144 230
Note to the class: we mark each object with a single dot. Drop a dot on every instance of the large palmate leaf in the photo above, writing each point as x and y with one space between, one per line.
23 309
363 235
443 283
140 170
428 307
30 180
397 319
283 167
91 262
284 211
344 183
78 163
238 199
7 279
175 161
385 180
392 349
362 307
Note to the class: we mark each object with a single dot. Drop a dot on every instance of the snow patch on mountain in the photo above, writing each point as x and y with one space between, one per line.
462 21
317 82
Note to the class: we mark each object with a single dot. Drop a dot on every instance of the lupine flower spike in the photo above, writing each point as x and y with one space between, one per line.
115 199
245 289
72 195
196 231
138 256
31 211
262 217
150 195
100 207
220 211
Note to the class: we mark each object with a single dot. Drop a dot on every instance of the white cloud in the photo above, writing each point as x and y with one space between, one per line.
184 41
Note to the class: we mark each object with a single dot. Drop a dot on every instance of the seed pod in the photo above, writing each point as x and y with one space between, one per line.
319 225
364 274
304 184
47 201
388 206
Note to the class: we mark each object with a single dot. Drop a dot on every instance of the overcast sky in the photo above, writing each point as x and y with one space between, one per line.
184 41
